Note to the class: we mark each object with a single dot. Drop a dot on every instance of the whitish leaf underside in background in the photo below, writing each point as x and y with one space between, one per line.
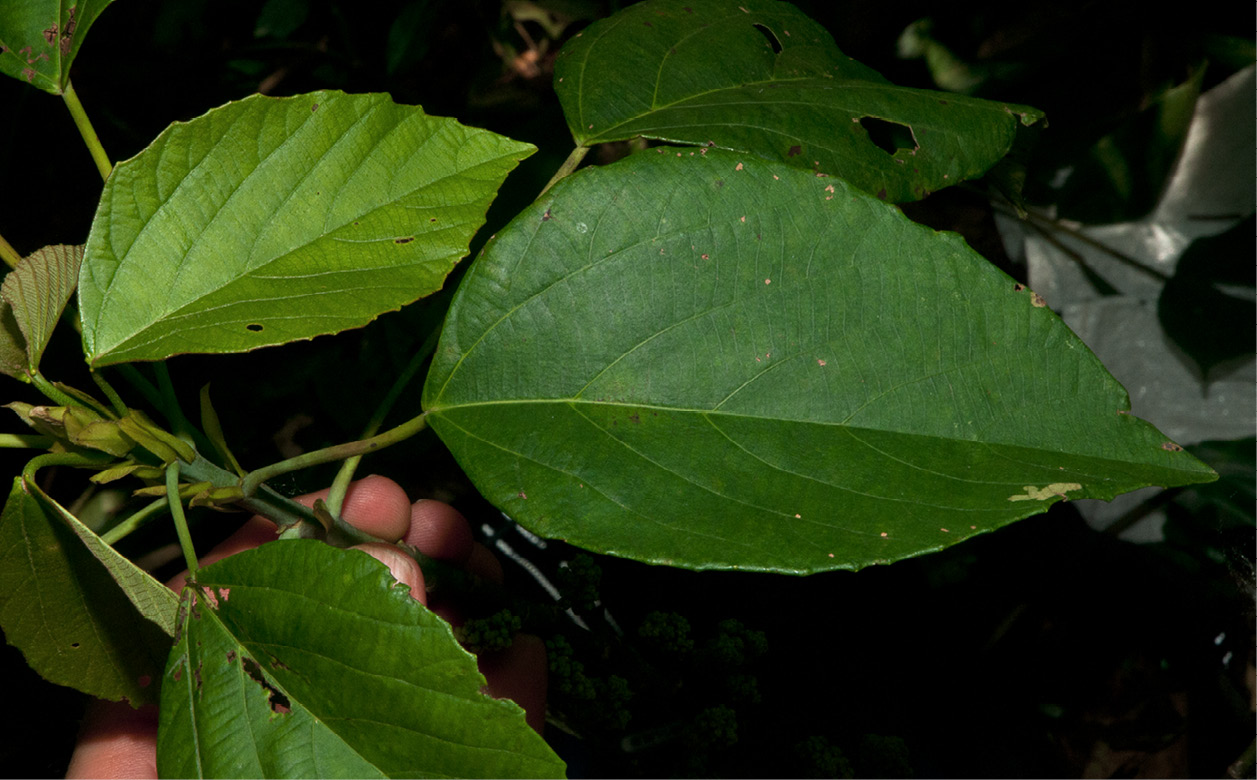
269 220
40 38
711 360
319 665
763 78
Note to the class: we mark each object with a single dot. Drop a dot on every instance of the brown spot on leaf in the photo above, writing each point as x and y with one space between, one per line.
50 35
1037 300
1170 446
1018 287
794 151
314 107
279 703
403 240
546 216
253 327
881 194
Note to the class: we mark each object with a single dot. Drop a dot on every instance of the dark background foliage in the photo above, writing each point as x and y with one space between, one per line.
1045 649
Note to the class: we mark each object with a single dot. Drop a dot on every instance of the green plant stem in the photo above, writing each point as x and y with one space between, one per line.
170 404
136 520
336 496
85 129
62 398
181 522
254 479
9 254
287 513
78 460
25 441
142 385
570 164
114 399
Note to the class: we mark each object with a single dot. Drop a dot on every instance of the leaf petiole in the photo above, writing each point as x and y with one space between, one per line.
181 521
87 131
8 254
134 521
25 441
569 165
336 497
254 479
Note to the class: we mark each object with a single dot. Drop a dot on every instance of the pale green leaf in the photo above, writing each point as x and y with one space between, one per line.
38 290
761 77
718 361
318 664
269 220
75 608
12 344
40 38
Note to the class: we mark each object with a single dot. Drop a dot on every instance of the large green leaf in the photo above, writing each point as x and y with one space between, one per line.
719 361
319 665
758 76
76 608
40 38
269 220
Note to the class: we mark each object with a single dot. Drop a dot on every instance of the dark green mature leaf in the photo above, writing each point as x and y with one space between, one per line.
718 361
761 77
269 220
319 665
37 292
40 38
74 607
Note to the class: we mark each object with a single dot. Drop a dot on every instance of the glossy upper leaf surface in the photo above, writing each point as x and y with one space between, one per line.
40 38
715 361
763 78
269 220
318 664
82 615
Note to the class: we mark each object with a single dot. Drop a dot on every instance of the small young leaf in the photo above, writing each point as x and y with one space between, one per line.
75 608
214 431
719 361
763 78
40 38
269 220
152 437
38 290
336 672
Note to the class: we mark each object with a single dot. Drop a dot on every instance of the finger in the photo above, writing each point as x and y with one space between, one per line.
376 504
439 531
519 673
116 741
403 568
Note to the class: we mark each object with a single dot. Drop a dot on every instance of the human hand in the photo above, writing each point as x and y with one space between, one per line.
117 741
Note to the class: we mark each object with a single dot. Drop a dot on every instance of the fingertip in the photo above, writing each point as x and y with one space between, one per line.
485 564
379 506
403 568
116 741
520 673
439 531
